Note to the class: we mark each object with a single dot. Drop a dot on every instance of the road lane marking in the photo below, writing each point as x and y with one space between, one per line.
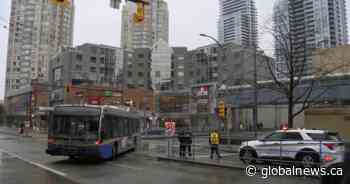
35 164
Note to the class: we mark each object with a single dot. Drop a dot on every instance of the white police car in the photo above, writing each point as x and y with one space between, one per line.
307 147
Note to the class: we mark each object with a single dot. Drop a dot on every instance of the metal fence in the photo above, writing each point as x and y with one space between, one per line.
231 154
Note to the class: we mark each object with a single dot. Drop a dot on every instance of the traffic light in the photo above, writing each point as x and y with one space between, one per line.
222 110
61 2
139 16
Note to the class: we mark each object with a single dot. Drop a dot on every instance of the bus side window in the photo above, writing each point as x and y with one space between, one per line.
121 126
137 125
134 123
107 127
127 128
130 127
116 131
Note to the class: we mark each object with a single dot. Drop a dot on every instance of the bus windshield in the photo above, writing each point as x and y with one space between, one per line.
85 127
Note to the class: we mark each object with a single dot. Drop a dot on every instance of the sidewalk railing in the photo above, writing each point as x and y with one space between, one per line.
308 153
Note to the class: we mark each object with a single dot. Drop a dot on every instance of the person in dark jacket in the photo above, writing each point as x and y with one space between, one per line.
21 129
188 142
182 140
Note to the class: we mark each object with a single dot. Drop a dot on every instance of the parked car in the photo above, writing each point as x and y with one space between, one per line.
306 147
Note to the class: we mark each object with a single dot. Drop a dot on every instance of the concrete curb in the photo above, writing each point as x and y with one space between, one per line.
200 163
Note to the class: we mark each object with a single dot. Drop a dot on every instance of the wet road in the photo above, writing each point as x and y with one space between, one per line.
35 167
16 171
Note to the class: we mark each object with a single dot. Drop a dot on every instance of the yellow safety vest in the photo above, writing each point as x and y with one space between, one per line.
214 138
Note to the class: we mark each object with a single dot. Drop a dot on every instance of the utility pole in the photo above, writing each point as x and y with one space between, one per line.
255 107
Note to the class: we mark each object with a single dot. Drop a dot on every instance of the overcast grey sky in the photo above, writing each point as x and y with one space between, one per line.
95 22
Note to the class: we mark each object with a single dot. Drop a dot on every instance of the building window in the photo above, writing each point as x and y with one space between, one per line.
102 70
92 69
140 74
141 56
157 74
57 74
79 57
94 50
93 59
78 67
102 60
180 74
129 74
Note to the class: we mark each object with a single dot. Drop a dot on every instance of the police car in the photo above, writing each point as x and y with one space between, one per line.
306 147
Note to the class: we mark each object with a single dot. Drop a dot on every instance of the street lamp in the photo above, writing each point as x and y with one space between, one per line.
221 55
220 46
212 38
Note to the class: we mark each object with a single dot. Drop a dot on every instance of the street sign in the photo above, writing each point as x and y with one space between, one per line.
94 100
108 93
170 128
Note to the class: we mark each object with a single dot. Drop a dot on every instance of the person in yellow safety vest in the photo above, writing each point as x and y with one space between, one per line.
214 141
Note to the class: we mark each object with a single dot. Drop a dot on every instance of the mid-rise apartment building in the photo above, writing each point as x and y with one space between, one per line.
38 30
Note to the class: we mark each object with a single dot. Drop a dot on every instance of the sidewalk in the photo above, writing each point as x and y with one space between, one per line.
204 160
41 137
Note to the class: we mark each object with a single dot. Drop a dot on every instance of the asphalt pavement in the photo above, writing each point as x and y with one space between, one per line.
24 161
16 171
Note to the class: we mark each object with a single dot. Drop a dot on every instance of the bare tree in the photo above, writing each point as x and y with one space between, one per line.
291 77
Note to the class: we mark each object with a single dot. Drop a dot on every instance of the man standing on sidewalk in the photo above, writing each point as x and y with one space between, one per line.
214 141
182 140
188 142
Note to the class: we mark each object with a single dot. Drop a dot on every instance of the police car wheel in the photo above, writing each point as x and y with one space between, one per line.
248 156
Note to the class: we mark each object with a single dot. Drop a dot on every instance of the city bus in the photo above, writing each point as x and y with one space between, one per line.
92 131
